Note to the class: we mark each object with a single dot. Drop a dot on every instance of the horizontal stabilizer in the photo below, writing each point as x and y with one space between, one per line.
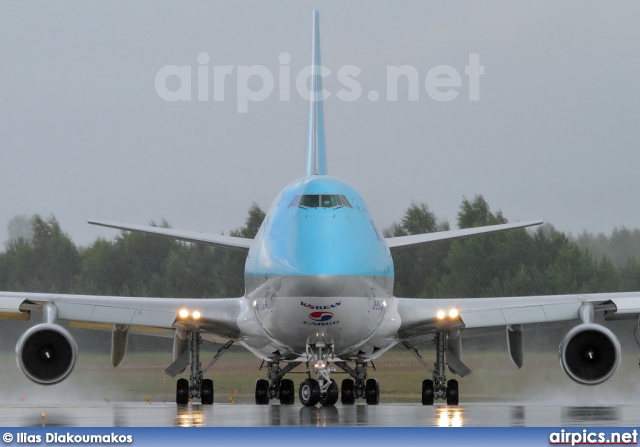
234 243
418 239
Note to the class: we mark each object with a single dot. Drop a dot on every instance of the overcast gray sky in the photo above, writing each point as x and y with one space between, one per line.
84 134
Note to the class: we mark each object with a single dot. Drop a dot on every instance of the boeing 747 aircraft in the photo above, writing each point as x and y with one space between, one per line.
319 292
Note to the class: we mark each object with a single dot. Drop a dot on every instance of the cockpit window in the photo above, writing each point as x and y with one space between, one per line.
329 201
309 201
320 201
295 201
345 202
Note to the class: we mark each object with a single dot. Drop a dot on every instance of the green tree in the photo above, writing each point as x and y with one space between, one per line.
478 265
47 262
619 247
476 213
103 269
418 269
630 276
19 227
232 269
204 267
504 264
251 224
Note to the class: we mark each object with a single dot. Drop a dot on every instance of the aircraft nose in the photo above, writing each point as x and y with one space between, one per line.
329 245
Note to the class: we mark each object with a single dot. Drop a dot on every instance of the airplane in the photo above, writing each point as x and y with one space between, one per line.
318 292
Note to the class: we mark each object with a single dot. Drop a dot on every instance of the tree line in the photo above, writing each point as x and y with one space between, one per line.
41 257
542 261
620 247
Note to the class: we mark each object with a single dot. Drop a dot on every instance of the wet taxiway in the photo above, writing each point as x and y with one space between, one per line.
389 415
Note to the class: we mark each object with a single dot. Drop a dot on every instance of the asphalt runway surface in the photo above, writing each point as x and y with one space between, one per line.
119 414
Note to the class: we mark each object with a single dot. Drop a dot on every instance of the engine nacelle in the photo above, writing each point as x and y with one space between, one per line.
46 353
590 354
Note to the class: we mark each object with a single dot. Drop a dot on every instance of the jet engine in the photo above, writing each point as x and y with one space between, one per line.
46 353
590 353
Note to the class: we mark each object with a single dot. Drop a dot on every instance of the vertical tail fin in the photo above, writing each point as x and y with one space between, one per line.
316 153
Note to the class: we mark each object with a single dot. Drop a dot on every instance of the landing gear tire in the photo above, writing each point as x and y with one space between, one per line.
372 391
206 393
287 392
348 392
427 392
452 392
262 392
330 399
182 392
309 392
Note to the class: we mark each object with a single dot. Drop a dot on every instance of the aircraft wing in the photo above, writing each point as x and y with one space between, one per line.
234 243
418 239
419 316
217 316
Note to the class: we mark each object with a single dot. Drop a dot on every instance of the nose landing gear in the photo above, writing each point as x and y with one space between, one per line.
323 390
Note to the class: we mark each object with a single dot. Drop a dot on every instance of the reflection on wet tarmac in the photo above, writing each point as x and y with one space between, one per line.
517 416
191 416
319 416
389 415
590 415
449 416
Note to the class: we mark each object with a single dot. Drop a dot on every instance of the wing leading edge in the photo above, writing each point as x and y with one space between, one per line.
217 316
418 239
234 243
419 316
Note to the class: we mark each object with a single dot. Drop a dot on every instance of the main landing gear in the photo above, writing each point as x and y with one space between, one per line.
277 387
359 387
439 387
197 387
322 389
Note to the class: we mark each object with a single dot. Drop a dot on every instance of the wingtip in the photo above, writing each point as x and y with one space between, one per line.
98 222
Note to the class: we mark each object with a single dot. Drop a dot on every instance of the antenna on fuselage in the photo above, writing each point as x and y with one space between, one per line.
316 153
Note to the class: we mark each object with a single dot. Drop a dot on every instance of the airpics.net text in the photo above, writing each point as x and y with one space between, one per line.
255 83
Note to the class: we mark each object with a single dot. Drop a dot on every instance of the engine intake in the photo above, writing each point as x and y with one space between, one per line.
590 354
46 353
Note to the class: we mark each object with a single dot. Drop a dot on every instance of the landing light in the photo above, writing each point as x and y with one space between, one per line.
184 314
452 314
